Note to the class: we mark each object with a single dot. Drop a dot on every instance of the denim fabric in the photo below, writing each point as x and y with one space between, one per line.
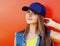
21 38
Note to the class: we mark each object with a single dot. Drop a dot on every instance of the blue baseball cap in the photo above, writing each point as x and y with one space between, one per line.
37 8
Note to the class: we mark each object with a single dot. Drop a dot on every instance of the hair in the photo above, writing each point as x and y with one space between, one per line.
43 31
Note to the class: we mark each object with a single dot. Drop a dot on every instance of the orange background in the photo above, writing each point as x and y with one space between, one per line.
12 18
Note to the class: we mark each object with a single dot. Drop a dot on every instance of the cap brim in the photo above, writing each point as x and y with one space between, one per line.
25 8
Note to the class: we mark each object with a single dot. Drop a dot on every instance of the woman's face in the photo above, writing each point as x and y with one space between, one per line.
31 18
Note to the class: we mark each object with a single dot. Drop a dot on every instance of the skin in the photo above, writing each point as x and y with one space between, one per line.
31 19
54 34
52 23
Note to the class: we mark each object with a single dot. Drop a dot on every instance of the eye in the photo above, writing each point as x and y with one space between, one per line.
28 11
33 13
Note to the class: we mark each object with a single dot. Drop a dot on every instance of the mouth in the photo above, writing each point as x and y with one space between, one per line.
29 19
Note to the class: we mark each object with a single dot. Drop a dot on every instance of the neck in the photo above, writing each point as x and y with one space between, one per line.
33 28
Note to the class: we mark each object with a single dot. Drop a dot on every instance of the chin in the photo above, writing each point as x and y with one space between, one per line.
30 22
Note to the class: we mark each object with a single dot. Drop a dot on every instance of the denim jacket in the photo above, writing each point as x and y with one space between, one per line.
21 39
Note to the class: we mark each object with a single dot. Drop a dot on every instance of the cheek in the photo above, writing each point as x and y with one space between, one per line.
27 16
35 19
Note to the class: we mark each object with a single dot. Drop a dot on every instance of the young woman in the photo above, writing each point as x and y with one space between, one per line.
36 33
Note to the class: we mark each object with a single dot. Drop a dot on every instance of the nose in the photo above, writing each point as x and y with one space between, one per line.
30 15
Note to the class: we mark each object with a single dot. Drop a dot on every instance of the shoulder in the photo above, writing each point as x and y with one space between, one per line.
55 36
19 37
19 33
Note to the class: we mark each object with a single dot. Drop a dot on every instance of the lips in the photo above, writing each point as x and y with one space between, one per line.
29 19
